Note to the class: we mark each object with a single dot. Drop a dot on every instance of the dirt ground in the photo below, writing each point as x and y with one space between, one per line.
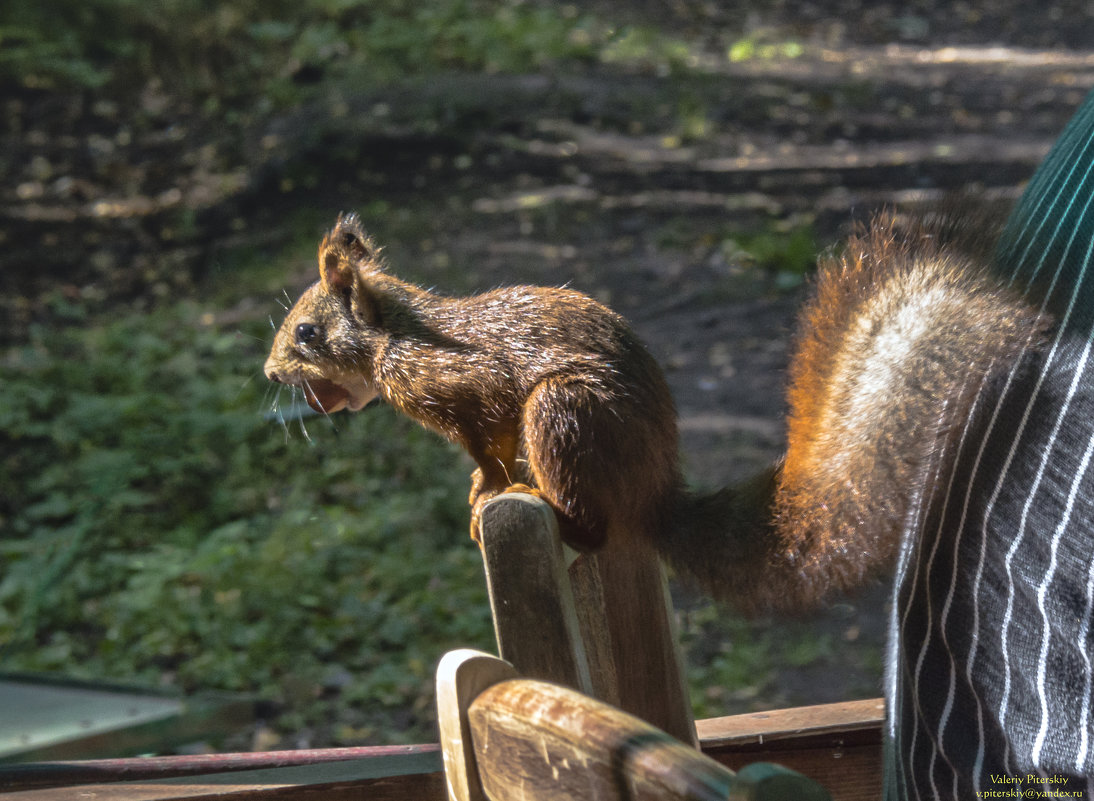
634 186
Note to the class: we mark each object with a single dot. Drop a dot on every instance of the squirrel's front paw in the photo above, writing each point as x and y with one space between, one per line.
478 501
480 495
525 489
476 486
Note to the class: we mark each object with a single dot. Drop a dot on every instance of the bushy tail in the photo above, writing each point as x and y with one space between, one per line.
737 546
904 329
725 542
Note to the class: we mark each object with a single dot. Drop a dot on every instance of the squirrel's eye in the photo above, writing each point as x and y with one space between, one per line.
305 333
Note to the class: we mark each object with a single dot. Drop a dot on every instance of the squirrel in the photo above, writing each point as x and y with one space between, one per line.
551 392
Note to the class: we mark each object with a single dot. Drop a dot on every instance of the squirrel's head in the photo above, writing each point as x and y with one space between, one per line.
328 338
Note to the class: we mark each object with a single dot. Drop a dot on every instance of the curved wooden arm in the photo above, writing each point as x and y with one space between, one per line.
540 741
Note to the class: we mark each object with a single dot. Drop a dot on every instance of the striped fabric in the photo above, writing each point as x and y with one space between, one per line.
989 675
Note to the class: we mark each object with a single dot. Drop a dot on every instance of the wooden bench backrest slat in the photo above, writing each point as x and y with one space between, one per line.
602 624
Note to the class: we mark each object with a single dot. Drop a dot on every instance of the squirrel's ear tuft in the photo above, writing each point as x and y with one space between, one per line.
343 250
350 236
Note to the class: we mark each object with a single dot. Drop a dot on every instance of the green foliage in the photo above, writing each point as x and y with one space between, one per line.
737 665
648 48
156 525
785 251
247 54
225 51
755 47
728 659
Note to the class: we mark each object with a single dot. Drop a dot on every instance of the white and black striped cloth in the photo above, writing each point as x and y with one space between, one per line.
989 679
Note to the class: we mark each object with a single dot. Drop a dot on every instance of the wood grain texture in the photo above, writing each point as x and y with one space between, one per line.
461 676
794 722
643 646
604 627
34 775
391 780
530 595
545 742
837 745
589 604
850 772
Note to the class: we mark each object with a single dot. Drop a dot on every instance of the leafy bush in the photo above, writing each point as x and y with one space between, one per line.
229 50
256 54
158 526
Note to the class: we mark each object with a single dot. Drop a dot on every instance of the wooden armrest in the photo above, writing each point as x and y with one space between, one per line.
529 739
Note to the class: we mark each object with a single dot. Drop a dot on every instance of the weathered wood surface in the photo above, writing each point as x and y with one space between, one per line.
69 773
392 779
838 745
629 604
791 724
605 627
550 743
462 676
530 597
588 592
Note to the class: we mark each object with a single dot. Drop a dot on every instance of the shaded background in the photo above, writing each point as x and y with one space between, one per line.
168 168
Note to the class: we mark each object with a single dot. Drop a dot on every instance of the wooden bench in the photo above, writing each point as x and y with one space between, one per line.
504 737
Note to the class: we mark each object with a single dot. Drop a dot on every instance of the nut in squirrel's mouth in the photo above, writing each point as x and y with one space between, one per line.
327 396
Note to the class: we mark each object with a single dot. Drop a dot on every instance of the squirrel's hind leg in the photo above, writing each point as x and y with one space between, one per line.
579 449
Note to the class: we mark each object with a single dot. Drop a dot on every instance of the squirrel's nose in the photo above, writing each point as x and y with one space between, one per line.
271 373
